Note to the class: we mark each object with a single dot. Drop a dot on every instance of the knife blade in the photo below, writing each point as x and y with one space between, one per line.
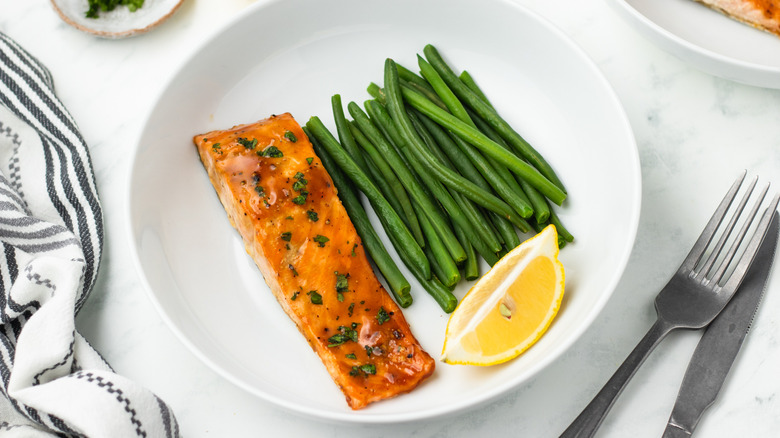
720 344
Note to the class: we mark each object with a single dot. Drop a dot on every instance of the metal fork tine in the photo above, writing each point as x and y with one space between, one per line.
707 267
738 241
705 237
752 249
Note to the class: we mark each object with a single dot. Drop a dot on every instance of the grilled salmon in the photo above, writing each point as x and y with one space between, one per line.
761 14
284 205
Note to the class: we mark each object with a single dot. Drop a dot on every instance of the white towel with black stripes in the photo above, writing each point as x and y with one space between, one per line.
52 382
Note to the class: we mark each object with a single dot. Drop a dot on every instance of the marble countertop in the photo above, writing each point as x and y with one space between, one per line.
691 128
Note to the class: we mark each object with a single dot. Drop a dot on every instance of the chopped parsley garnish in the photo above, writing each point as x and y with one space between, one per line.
309 160
382 316
298 186
312 215
363 370
108 5
294 296
351 308
260 191
216 146
290 136
350 356
321 240
354 254
249 144
271 151
300 199
340 297
342 282
316 298
286 236
345 334
292 268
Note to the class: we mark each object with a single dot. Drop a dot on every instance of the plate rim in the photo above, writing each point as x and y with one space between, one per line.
357 417
760 75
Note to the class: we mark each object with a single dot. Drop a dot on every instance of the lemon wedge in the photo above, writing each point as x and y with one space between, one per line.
510 307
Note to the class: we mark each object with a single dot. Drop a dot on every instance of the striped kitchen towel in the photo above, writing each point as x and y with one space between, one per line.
53 383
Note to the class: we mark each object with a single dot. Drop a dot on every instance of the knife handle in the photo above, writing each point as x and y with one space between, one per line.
675 432
586 424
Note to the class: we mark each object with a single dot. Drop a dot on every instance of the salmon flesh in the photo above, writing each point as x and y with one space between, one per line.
284 205
761 14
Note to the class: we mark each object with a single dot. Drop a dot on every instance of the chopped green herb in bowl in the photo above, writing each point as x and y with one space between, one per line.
96 6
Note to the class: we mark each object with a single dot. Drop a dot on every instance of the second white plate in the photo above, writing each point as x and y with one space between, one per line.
706 39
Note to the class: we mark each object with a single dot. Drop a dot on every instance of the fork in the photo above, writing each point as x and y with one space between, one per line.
692 298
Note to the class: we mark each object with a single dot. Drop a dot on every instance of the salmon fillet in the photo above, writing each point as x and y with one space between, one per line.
761 14
284 205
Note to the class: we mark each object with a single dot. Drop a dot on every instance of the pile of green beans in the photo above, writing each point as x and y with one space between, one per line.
449 179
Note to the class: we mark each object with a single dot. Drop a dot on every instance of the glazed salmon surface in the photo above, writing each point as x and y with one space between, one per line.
762 14
283 203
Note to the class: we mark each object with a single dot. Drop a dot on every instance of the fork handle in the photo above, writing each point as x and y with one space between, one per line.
586 424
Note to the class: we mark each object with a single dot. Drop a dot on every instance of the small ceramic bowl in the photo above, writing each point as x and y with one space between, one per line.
120 22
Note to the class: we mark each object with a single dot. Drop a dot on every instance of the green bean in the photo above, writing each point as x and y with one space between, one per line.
441 194
444 174
452 206
485 144
398 284
539 204
467 79
345 136
459 160
443 296
402 168
442 265
413 78
384 187
376 177
486 253
471 266
427 92
507 231
496 173
454 106
491 116
376 92
504 183
448 199
389 218
469 210
385 173
562 231
494 229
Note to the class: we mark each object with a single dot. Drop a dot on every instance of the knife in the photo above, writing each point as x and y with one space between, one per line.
720 344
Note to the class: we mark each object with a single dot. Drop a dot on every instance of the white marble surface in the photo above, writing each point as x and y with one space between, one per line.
695 132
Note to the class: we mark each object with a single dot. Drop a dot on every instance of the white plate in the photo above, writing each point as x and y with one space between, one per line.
706 39
293 55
